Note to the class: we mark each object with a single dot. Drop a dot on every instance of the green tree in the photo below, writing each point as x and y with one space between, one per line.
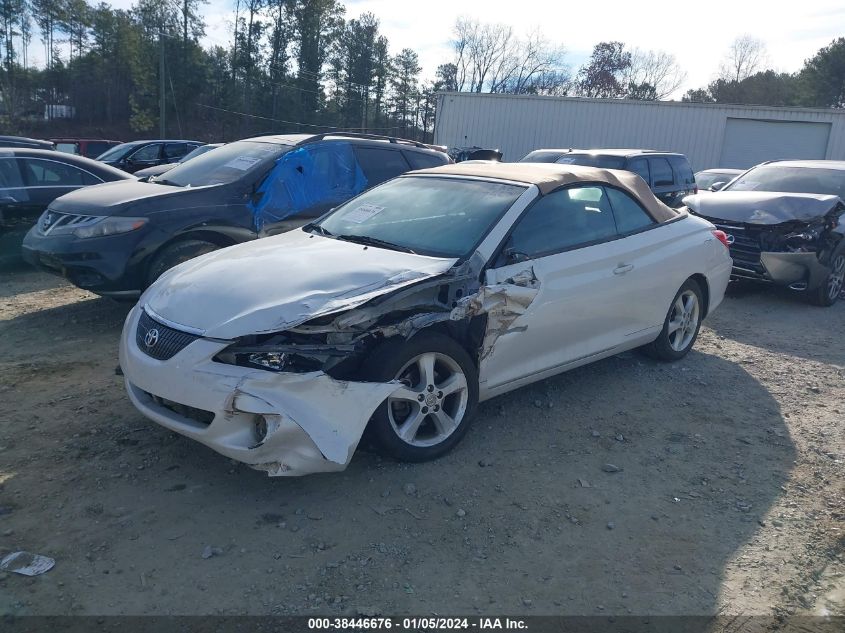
404 84
823 76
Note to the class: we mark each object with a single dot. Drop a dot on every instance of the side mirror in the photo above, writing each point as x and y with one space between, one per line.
717 186
512 256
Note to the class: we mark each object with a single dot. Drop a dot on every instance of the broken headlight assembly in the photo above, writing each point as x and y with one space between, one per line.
284 353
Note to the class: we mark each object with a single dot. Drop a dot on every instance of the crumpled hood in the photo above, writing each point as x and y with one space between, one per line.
126 197
761 207
278 282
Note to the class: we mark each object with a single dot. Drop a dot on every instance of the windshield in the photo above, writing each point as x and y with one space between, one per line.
592 160
792 180
117 152
442 217
705 180
225 164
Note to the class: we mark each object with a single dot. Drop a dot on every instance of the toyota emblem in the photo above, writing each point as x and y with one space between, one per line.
730 239
151 338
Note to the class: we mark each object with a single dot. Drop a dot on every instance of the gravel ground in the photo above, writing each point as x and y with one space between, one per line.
727 496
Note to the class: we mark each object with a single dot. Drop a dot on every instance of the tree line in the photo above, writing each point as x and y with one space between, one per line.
303 65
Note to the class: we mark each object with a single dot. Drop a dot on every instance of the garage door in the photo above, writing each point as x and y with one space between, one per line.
749 141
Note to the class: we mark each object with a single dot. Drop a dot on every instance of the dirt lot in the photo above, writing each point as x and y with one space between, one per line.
730 500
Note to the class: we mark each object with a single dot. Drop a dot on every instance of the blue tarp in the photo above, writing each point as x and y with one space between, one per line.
316 176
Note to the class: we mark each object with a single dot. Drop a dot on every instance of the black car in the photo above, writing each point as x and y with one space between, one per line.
117 239
30 179
668 174
24 142
785 222
137 155
158 170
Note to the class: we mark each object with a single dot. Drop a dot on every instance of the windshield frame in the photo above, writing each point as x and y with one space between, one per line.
524 187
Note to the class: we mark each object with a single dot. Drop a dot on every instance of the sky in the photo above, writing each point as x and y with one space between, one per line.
698 34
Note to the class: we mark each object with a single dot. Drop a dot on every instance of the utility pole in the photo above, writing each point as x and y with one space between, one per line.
161 93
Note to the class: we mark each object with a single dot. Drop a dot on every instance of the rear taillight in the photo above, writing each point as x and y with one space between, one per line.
722 237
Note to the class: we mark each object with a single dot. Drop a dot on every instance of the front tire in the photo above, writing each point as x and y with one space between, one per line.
681 326
830 290
430 413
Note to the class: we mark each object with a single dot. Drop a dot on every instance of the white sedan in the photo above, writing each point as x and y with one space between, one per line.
399 311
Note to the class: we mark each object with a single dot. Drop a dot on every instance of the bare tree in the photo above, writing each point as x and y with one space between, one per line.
746 56
657 70
490 57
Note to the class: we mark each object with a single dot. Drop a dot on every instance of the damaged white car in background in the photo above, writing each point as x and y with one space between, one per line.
399 311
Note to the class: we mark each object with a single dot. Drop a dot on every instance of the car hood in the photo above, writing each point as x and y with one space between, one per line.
126 197
761 207
276 283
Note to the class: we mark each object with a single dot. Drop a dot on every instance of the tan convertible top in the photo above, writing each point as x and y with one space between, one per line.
549 177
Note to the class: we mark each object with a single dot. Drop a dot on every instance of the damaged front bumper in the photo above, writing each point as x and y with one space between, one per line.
799 270
285 424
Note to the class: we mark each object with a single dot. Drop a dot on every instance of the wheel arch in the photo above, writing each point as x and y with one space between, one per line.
704 284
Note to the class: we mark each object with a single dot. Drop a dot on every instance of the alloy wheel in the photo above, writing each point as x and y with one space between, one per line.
836 278
432 401
683 322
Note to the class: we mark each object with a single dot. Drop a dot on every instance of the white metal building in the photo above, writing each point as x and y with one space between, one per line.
711 135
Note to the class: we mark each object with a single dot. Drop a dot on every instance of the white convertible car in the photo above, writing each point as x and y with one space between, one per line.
396 313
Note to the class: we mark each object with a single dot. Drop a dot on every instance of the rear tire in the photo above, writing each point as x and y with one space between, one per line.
429 415
830 290
681 326
175 254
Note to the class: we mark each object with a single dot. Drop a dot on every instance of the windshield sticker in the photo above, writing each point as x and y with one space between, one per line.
363 213
242 163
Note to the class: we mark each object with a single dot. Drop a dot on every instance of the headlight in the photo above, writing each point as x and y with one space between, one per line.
110 226
274 361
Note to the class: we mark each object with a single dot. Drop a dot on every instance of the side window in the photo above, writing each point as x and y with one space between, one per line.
661 172
419 160
561 220
10 174
380 164
640 167
173 151
683 171
630 216
48 173
148 152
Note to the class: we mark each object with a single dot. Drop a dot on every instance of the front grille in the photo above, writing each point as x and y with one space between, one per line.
160 341
52 222
745 249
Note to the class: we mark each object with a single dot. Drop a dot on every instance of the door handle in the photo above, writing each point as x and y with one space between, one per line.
621 269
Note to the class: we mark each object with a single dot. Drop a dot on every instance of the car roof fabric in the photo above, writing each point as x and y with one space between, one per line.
548 177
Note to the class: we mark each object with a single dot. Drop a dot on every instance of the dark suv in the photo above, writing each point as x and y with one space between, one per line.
668 174
137 155
116 239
